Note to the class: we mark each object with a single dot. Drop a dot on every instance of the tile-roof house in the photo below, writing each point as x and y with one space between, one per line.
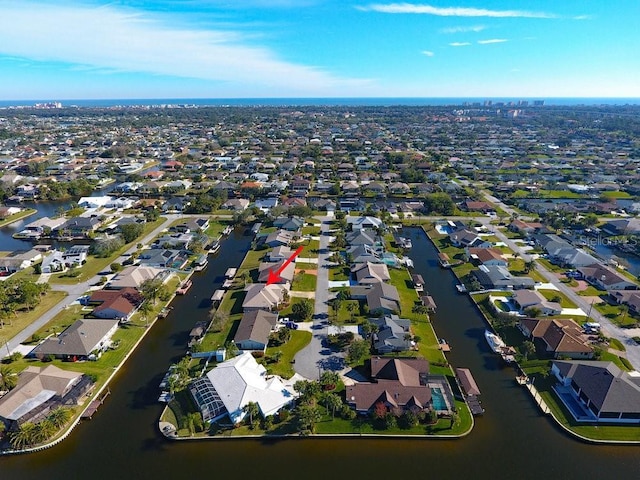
605 278
115 304
38 391
231 385
78 340
533 299
607 393
392 335
398 383
254 329
560 337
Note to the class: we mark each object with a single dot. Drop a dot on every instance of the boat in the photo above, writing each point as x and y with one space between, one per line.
164 312
227 230
184 287
461 288
498 346
495 342
200 263
215 246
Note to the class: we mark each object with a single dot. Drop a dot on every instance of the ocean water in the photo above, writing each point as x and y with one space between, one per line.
377 101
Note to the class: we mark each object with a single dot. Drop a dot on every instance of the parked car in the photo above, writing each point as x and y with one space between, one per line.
291 325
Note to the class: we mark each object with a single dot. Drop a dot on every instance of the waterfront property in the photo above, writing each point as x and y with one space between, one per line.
254 329
559 338
598 391
40 390
231 385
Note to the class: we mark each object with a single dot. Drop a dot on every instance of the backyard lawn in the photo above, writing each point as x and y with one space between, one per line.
284 367
12 325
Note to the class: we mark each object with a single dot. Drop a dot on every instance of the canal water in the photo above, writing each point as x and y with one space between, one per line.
512 440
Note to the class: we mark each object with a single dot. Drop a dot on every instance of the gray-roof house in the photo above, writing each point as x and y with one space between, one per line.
605 278
78 340
392 335
369 272
500 277
607 393
383 297
19 260
254 329
290 224
279 238
135 275
572 257
533 299
260 296
467 238
286 275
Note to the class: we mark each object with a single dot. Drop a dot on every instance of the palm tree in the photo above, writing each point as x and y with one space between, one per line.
252 409
351 308
8 379
59 417
145 309
24 437
308 415
329 378
332 402
45 430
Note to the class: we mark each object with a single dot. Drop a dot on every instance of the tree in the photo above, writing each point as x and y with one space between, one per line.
307 389
252 410
529 266
303 310
308 415
131 231
329 379
150 289
358 350
8 379
24 437
332 402
145 309
528 349
59 417
44 430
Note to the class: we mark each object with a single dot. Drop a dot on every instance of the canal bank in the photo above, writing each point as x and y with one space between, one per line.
512 439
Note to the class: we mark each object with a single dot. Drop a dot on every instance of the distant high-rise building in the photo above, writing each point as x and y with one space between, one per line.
538 103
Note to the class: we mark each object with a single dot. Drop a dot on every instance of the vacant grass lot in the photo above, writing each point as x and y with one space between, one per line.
284 368
12 325
305 282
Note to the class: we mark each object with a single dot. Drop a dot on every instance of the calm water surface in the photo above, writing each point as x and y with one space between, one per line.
512 440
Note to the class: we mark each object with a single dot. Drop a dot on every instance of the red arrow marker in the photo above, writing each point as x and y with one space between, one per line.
274 277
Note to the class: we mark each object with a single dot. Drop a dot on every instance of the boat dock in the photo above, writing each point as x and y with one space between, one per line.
184 287
231 272
470 390
418 282
94 405
217 296
429 302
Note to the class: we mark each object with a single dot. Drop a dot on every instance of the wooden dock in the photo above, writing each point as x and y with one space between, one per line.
94 405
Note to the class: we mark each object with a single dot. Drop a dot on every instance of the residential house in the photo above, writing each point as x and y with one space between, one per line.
176 204
115 304
606 393
226 389
254 329
280 253
382 297
78 341
39 391
369 272
78 227
571 257
473 206
286 275
604 278
279 238
19 260
161 258
393 334
260 296
135 275
398 384
499 277
466 238
360 223
623 226
487 256
75 255
290 224
525 228
41 227
236 204
526 299
631 298
560 338
53 262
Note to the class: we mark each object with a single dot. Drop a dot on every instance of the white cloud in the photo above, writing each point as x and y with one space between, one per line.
472 28
428 53
453 11
459 44
492 40
132 41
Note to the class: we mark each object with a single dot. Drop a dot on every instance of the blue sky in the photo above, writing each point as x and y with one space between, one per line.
318 48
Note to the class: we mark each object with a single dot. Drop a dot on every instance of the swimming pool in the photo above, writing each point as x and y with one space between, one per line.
437 398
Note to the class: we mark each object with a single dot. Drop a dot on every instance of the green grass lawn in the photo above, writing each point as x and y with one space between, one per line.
308 230
550 266
284 368
12 325
95 265
591 291
304 282
615 194
564 300
616 313
17 216
338 273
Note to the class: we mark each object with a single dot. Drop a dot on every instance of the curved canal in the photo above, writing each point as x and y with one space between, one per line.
512 440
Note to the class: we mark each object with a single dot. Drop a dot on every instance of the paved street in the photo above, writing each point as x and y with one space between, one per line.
315 357
609 329
73 292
